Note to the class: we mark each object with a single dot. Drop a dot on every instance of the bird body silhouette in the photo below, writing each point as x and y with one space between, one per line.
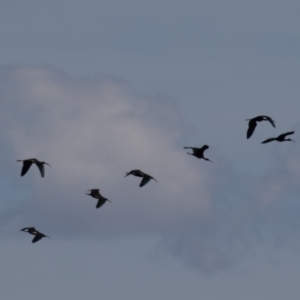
37 235
280 138
28 162
96 194
139 173
198 152
253 122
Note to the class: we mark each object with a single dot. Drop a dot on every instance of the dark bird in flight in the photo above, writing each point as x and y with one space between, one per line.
280 138
96 194
252 123
37 235
28 162
198 152
139 173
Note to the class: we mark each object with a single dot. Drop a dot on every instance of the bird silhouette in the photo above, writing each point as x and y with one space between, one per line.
28 162
198 152
139 173
253 122
37 235
280 138
96 194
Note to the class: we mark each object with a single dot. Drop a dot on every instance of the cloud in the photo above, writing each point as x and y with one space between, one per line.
92 131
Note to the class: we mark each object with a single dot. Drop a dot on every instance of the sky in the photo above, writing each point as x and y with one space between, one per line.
98 88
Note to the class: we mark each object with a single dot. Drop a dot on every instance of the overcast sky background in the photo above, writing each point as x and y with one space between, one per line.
98 88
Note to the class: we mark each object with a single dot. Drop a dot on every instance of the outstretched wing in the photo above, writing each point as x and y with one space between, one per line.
286 134
100 203
204 147
194 149
270 120
30 230
145 180
251 128
37 238
26 165
95 193
27 228
42 169
268 140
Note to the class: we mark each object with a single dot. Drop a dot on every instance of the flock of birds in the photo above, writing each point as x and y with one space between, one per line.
197 152
279 138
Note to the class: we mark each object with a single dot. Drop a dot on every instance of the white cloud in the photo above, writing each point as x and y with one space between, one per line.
92 132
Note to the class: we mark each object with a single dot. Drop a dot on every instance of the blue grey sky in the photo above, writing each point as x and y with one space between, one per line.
97 88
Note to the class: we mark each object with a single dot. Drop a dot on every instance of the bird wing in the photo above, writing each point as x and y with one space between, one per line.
270 120
145 180
26 165
196 151
205 147
30 230
37 238
100 203
42 169
285 134
27 228
268 140
252 125
95 193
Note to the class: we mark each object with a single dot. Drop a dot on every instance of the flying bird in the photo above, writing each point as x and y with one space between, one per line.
252 123
37 235
96 194
139 173
280 138
198 152
28 162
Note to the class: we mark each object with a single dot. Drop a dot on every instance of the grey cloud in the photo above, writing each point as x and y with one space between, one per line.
248 211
